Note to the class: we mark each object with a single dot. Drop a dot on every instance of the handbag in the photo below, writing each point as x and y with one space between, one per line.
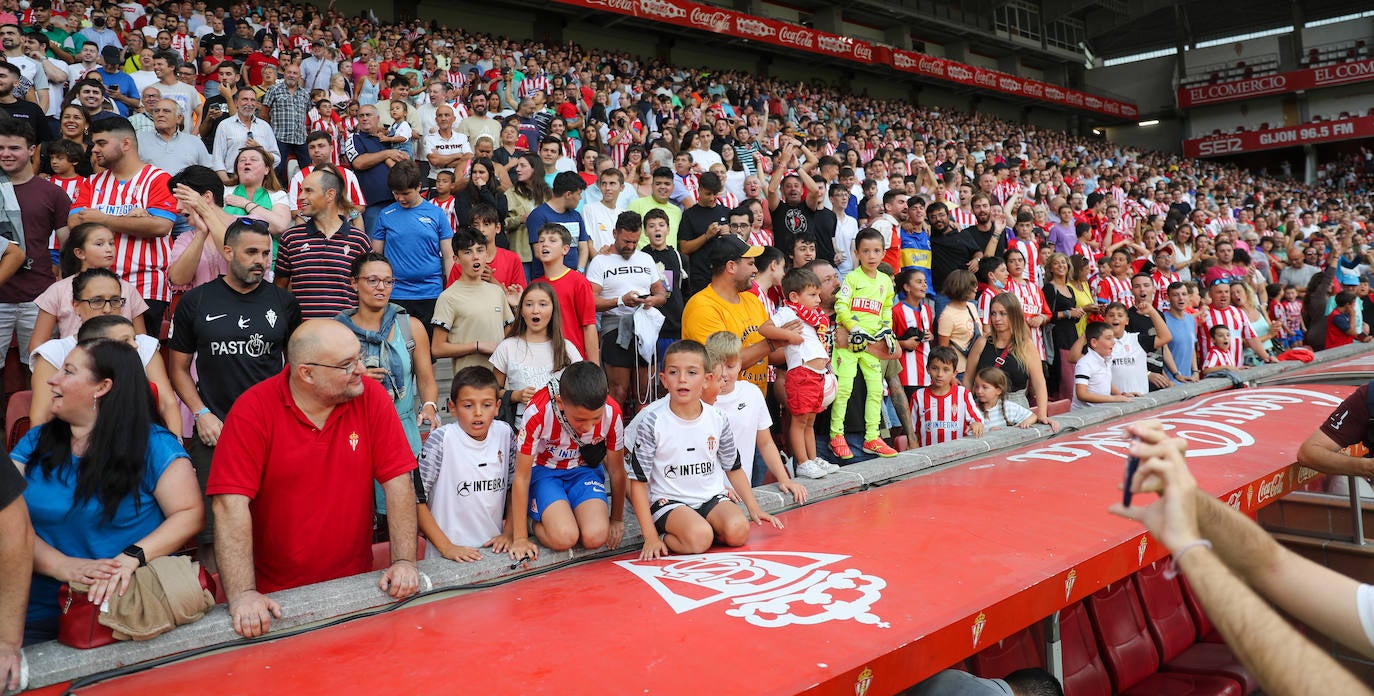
79 625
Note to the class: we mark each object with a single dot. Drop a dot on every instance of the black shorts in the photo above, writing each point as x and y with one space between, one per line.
612 355
661 508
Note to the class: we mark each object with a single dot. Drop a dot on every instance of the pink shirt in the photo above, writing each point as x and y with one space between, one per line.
57 301
211 266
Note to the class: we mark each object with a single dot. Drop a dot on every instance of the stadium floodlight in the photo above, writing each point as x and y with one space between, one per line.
1151 122
1089 60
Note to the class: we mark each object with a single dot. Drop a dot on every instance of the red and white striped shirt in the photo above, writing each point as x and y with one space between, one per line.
763 237
950 196
72 187
351 187
985 295
913 362
1157 208
446 205
184 45
1162 282
544 436
962 218
534 83
456 78
1008 190
1114 289
1219 358
140 261
349 124
943 418
1029 248
619 145
689 182
1033 303
727 199
1232 318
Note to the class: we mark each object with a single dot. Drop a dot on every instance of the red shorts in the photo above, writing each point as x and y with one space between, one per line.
805 390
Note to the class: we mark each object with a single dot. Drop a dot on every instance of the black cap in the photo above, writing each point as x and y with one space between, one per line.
112 54
728 247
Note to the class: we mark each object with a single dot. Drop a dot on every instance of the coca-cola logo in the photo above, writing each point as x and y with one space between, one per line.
1273 488
661 8
1052 92
1035 89
796 36
1092 101
1009 84
959 72
1129 110
753 27
625 6
863 51
832 44
1074 98
932 66
985 79
1113 107
715 21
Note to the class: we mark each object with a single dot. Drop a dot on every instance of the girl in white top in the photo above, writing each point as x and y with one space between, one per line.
48 358
990 391
89 245
529 358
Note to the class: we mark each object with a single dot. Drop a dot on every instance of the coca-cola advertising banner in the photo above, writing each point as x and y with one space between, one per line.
1297 80
730 23
974 76
1250 141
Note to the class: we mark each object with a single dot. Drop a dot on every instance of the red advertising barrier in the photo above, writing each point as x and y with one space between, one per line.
1306 134
1294 81
716 20
730 23
974 76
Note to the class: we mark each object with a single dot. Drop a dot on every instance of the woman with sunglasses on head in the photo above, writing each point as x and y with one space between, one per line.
96 293
1007 345
395 347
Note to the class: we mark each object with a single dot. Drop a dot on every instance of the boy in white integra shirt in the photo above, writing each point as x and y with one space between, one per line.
681 446
464 472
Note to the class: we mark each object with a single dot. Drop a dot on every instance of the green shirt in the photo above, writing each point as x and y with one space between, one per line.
865 302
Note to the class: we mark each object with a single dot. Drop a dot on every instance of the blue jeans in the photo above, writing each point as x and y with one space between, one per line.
287 150
940 303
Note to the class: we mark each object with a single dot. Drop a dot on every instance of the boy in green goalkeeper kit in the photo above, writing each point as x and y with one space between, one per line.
863 307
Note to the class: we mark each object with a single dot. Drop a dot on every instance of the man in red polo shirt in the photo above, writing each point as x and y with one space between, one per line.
292 479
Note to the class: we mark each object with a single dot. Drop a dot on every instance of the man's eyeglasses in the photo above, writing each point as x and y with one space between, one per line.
349 366
100 302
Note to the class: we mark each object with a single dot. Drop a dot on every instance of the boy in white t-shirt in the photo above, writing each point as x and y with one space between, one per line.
808 363
681 446
1092 375
464 472
747 412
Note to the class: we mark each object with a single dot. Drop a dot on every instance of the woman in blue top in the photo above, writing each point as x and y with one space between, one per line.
108 487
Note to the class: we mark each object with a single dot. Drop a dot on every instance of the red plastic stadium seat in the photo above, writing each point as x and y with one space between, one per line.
1059 407
1084 673
1130 655
1018 651
17 416
1175 634
1207 633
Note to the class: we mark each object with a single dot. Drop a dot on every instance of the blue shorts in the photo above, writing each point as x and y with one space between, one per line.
574 486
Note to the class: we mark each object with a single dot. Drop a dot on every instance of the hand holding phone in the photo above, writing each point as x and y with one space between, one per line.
1132 463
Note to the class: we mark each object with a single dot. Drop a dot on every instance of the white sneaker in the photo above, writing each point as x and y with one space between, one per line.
830 467
811 470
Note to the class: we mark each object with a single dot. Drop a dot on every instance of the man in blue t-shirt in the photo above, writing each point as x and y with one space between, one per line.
561 209
371 160
413 234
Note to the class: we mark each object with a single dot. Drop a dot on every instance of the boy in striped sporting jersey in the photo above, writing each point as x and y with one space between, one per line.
863 306
913 324
944 411
570 427
1219 358
681 446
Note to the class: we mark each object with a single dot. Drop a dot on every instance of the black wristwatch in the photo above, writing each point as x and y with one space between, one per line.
135 552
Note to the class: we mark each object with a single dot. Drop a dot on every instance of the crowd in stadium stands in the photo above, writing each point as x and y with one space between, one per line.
569 227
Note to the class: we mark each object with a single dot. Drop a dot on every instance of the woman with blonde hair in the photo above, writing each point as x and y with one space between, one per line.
1008 346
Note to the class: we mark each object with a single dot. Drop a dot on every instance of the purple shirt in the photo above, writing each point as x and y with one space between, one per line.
1063 238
